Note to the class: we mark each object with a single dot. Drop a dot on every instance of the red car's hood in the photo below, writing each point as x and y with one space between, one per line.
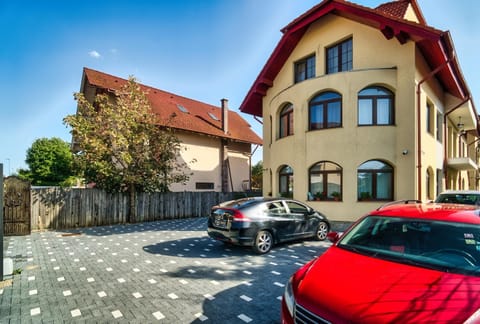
343 286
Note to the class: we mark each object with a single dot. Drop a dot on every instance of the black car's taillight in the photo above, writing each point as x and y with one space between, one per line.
239 217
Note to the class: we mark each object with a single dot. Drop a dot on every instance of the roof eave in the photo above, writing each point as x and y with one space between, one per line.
426 37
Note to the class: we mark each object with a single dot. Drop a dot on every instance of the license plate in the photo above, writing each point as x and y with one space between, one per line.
219 221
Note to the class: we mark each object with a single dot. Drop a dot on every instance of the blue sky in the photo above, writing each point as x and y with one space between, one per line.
205 50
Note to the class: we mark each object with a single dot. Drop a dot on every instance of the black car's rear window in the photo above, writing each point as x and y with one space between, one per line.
241 203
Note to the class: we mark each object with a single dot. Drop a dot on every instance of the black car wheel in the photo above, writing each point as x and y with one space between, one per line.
322 231
263 242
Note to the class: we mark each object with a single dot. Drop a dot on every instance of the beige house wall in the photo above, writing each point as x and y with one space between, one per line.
203 156
376 61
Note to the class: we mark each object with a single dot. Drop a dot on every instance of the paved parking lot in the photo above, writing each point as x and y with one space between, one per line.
166 271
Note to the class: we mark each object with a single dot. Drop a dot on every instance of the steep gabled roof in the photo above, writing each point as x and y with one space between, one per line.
435 45
399 9
191 115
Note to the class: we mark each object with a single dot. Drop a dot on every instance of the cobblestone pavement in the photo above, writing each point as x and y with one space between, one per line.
166 271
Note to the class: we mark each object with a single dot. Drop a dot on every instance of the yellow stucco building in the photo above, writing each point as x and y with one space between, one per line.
363 106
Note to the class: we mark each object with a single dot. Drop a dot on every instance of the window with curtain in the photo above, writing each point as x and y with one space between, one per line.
325 181
325 111
286 121
285 180
375 107
375 181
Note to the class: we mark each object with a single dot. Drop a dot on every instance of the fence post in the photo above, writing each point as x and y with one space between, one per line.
1 221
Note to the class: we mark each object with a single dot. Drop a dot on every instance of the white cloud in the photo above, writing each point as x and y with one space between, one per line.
94 54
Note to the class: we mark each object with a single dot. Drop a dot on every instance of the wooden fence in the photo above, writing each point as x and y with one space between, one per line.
60 208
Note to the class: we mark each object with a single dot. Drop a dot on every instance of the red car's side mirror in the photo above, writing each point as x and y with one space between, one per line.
333 237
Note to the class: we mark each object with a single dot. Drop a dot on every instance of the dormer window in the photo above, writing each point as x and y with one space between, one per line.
305 69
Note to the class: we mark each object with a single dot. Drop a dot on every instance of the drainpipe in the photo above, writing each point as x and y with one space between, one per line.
224 148
419 124
224 115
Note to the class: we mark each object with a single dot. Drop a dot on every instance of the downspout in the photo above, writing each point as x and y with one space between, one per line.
224 149
250 163
445 169
419 125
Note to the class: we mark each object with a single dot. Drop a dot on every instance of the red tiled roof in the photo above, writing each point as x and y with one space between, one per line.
398 8
436 46
395 8
197 119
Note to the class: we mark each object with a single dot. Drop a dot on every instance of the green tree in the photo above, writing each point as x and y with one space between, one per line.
257 175
50 163
121 147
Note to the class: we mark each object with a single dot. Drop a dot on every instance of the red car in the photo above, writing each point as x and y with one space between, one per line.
403 263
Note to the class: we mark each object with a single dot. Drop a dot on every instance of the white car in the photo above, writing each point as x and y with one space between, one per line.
465 197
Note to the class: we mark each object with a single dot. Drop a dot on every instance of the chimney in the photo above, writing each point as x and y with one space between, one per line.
225 115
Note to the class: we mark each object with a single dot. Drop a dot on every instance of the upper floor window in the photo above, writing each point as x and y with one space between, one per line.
305 69
340 57
325 111
286 121
439 127
326 181
285 180
375 181
375 106
429 120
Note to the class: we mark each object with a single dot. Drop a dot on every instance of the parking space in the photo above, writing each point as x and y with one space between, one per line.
166 271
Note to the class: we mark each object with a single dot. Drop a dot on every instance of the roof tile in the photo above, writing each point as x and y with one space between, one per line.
191 115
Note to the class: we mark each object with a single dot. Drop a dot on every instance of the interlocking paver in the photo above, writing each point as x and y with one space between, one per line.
167 271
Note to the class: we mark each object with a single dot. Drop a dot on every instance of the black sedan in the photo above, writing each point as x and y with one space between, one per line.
262 222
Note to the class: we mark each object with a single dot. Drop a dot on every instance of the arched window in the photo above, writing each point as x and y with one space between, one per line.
285 180
326 181
286 121
375 107
429 183
325 111
375 181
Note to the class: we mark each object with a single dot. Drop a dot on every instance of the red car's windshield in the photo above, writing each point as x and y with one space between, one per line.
445 246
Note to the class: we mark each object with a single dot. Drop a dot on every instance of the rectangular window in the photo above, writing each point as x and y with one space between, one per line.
365 114
204 185
429 118
365 186
439 127
334 184
334 118
340 57
316 117
384 185
384 117
305 69
284 126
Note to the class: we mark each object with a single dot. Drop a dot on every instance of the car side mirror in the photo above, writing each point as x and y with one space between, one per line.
333 237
